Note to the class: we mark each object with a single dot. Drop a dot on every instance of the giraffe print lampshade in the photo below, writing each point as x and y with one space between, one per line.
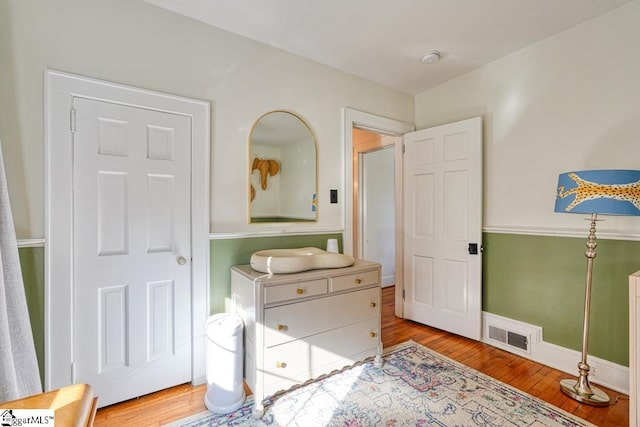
608 192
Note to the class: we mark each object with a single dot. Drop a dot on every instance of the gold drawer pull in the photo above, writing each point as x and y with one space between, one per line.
372 334
281 365
300 291
282 327
372 304
358 281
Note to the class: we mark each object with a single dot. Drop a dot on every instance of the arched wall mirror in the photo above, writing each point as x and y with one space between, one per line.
282 168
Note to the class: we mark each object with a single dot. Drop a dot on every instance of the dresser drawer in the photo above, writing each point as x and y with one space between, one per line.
298 320
298 361
293 291
350 281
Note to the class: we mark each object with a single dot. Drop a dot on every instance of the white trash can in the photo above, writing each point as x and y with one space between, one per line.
224 363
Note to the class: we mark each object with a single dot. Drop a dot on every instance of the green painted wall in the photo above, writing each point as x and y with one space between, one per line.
534 279
541 280
226 253
32 263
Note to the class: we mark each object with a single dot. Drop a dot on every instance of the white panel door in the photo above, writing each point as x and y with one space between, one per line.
442 221
131 231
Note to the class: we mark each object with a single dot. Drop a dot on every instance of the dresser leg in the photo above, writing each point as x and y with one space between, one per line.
258 410
377 362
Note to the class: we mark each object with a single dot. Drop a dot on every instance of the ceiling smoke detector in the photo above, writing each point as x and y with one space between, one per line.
431 57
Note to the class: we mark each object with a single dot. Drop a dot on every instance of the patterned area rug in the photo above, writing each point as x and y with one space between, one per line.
414 387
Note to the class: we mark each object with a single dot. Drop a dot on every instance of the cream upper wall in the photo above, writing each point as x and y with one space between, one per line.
570 102
134 43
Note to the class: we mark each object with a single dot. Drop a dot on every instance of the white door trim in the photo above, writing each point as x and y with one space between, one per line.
357 119
60 87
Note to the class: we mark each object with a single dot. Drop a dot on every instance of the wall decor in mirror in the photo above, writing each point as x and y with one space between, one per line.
282 169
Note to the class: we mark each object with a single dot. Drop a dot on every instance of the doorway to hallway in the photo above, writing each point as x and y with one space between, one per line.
374 200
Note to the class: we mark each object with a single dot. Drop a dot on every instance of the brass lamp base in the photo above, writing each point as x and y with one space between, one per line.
596 397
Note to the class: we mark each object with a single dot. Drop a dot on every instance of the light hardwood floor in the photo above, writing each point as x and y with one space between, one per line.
538 380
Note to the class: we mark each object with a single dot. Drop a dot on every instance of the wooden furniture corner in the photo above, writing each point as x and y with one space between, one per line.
74 405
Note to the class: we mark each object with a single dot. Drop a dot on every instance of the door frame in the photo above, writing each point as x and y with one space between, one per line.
60 88
366 121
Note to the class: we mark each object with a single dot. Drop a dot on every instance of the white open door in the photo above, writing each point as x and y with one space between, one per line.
442 179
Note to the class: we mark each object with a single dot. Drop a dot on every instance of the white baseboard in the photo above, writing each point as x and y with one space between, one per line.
603 372
199 380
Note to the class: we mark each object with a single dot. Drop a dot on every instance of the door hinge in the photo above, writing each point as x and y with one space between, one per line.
403 295
72 120
404 147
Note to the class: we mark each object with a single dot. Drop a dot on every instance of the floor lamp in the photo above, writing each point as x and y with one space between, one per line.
594 192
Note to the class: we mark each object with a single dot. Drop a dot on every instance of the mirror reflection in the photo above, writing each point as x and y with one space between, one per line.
282 167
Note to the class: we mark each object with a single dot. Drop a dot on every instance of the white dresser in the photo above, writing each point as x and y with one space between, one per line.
634 349
302 325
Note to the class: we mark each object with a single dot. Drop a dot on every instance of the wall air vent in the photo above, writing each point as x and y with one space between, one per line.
508 338
509 334
497 334
518 340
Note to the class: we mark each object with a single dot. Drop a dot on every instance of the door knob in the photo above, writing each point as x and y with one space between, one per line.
181 260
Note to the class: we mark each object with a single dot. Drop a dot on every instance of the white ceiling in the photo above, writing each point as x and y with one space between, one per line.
384 40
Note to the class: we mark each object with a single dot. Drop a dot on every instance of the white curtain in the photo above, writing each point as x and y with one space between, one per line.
19 374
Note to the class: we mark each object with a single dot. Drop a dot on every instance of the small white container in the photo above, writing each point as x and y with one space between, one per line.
225 392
